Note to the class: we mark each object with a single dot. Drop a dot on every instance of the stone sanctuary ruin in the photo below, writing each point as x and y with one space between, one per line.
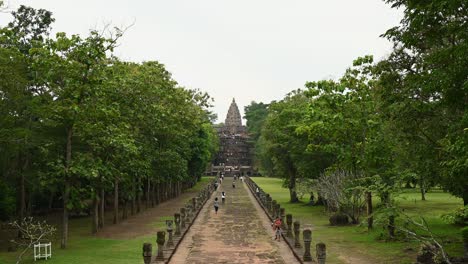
235 150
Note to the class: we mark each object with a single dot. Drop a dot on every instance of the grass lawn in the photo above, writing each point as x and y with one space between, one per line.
86 248
354 244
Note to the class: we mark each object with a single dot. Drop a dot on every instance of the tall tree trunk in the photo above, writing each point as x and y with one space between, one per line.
292 185
50 202
125 209
139 197
95 223
66 198
132 205
66 189
370 218
102 208
148 193
391 226
391 218
162 191
116 201
422 188
158 193
22 185
153 199
22 211
172 189
165 191
29 205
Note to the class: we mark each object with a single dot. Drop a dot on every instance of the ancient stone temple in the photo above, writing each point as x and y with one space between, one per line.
235 150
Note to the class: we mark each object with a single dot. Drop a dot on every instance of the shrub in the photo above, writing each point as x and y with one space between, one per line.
464 232
338 219
343 192
458 217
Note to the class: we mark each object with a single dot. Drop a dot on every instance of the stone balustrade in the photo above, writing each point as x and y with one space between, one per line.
291 229
182 221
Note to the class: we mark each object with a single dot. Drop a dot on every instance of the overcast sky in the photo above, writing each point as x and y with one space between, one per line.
253 50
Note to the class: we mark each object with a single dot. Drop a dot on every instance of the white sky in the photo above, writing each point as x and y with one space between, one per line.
253 50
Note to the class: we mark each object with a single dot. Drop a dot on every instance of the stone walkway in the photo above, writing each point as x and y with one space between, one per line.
239 233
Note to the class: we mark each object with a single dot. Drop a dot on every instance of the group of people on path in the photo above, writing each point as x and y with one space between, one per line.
216 203
218 182
223 194
276 225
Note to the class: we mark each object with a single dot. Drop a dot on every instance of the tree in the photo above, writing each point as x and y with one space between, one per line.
256 114
282 145
21 97
77 124
424 80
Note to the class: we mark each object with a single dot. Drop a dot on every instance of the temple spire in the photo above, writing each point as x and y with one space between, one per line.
233 120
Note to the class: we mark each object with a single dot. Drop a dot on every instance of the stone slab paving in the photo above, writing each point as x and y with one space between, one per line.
239 233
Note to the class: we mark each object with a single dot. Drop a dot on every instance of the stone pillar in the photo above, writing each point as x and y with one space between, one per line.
289 222
297 226
177 224
321 253
147 253
307 236
194 204
277 212
170 242
283 218
268 202
161 238
187 214
182 217
272 208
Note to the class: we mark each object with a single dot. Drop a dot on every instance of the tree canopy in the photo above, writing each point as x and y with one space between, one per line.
78 124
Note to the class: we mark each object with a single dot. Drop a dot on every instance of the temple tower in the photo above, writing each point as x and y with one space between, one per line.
233 122
235 152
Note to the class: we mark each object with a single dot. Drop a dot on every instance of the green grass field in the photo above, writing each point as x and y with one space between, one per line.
354 244
85 248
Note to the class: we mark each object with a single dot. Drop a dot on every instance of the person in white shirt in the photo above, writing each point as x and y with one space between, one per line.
216 205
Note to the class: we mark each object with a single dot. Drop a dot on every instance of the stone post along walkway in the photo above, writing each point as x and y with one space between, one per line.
239 233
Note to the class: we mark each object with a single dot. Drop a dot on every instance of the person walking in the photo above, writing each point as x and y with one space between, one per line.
223 197
216 205
277 228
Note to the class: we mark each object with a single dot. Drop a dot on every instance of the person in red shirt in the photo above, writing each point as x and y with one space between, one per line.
277 228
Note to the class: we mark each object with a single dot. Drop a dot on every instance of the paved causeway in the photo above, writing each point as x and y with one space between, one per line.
239 233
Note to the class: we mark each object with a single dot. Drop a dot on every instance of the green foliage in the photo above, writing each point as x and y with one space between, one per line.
464 232
423 89
7 201
255 114
75 120
305 187
372 245
458 217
